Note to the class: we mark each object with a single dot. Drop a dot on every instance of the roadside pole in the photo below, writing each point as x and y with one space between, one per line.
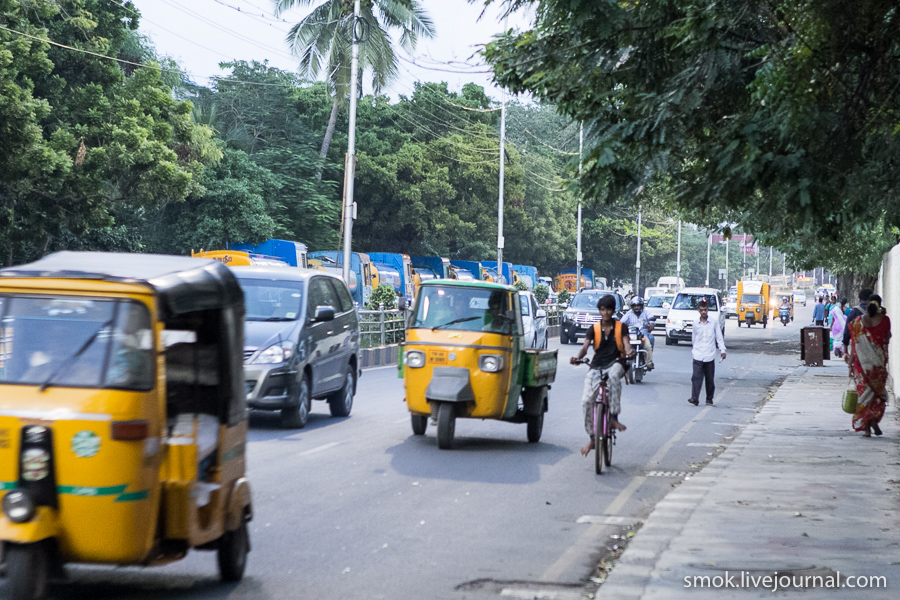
578 257
502 168
350 161
678 258
757 259
727 273
708 248
637 264
770 263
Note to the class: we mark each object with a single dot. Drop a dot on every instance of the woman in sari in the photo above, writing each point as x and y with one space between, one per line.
838 322
868 359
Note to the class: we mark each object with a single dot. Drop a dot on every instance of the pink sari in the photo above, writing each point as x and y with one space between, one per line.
838 322
870 359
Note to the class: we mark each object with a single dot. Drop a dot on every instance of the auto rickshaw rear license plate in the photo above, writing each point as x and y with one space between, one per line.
437 357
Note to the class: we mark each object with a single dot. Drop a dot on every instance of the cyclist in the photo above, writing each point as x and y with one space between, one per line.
611 346
636 317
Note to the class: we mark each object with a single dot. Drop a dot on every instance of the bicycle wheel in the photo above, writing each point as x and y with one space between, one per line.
598 438
608 439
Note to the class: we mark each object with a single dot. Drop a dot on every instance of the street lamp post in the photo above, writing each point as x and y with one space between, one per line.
578 257
678 258
708 248
350 167
637 264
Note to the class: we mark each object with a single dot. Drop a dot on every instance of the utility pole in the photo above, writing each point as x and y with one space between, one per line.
770 263
500 199
727 273
578 257
678 257
350 160
708 248
637 264
757 259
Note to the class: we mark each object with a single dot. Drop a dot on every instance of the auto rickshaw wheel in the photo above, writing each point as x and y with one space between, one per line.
535 428
296 417
232 553
341 402
446 425
419 424
27 571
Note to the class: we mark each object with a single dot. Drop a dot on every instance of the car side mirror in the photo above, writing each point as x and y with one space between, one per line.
323 314
541 313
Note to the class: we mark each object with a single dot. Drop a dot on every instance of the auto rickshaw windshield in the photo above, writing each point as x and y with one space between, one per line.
75 342
466 309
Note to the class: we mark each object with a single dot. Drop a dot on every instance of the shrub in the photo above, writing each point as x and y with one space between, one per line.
383 294
563 297
541 293
520 285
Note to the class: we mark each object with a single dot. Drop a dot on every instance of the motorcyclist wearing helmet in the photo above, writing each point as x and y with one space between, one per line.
636 317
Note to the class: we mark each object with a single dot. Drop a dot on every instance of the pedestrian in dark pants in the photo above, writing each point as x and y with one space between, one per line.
819 313
705 336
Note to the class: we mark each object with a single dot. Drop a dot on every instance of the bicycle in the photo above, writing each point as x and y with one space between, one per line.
605 435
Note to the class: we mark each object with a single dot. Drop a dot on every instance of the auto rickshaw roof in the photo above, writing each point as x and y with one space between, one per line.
183 284
467 284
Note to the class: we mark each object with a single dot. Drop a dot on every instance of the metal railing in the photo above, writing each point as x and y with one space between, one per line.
554 313
381 327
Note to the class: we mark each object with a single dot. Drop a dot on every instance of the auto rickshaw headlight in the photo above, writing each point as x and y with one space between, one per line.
18 506
490 363
414 359
35 464
276 353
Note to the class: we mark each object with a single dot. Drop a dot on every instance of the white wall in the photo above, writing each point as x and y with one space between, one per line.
888 287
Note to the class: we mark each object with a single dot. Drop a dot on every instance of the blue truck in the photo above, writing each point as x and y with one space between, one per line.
471 267
360 271
527 274
507 270
431 267
403 265
293 253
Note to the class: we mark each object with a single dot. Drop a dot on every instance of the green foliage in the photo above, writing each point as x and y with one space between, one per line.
779 115
382 294
563 296
541 293
520 285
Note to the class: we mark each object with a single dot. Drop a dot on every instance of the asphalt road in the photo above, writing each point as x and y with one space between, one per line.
360 508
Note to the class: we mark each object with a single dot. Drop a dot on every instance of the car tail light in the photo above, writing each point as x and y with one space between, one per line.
127 431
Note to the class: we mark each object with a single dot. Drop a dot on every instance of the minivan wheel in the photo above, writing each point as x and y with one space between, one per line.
341 402
297 416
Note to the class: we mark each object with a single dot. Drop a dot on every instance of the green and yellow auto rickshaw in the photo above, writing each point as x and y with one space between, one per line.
123 422
465 358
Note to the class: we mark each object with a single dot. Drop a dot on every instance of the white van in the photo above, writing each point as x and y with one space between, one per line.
681 317
672 284
655 291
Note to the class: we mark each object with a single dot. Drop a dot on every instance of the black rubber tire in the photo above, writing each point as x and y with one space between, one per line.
546 342
607 450
232 553
446 425
535 428
563 336
739 322
668 341
27 571
630 374
598 444
674 341
419 424
341 402
296 417
638 376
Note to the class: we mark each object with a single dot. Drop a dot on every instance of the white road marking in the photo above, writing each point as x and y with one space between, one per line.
729 424
318 449
705 445
607 520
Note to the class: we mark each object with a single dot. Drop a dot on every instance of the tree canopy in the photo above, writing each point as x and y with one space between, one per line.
747 110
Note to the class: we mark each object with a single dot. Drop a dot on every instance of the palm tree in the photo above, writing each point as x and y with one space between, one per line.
321 41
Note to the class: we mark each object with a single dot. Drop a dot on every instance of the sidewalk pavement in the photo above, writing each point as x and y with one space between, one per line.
797 492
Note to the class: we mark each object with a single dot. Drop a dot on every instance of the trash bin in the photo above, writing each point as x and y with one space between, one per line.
812 345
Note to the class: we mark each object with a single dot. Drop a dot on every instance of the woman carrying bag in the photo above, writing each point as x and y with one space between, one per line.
867 356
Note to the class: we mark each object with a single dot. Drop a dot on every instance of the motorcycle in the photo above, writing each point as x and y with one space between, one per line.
785 316
637 365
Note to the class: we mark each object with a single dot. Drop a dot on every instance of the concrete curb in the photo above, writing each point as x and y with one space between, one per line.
378 357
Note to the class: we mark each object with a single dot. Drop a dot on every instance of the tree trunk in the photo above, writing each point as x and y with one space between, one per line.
329 133
850 284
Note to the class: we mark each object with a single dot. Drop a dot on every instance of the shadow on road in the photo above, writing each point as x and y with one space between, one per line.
487 460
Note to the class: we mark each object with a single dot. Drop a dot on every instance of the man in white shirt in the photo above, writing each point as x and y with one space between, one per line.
705 336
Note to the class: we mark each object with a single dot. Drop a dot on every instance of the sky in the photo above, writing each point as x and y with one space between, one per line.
200 34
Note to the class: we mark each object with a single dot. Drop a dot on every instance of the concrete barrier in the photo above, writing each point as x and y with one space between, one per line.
888 287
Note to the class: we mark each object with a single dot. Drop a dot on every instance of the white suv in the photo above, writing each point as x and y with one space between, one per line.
680 321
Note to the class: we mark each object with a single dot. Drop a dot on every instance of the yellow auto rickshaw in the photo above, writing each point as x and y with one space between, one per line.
465 357
122 415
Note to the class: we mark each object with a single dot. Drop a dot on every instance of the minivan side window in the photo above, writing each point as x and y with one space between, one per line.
339 291
319 295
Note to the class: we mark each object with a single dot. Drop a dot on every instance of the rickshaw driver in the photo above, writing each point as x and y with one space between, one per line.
609 356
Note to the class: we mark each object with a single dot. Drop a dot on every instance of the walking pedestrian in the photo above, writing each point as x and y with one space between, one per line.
838 322
856 312
706 335
867 355
819 312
